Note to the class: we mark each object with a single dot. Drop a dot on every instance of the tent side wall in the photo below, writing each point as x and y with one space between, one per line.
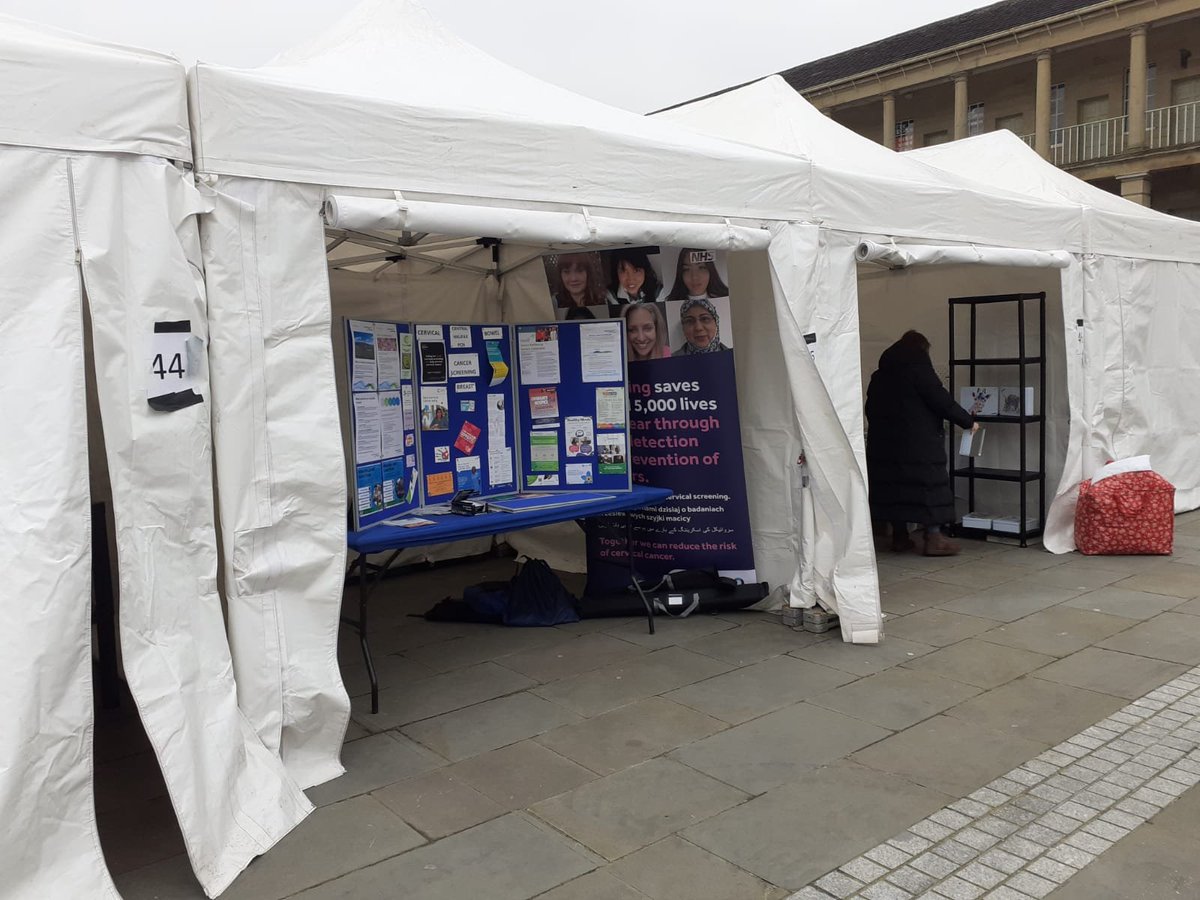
277 439
50 846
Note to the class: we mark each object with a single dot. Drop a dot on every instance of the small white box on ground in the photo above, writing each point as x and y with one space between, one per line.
977 520
1012 524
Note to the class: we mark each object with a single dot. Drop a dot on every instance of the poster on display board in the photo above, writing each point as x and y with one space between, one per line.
383 434
684 430
465 394
572 411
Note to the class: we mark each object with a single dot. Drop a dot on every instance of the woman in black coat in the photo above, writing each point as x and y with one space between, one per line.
906 445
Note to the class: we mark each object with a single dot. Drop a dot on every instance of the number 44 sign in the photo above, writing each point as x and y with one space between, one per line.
173 363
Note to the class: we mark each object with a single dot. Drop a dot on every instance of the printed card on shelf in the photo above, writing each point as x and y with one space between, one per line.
980 401
1010 402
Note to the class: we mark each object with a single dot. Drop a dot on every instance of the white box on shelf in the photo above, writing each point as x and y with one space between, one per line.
1012 524
980 400
1010 402
977 520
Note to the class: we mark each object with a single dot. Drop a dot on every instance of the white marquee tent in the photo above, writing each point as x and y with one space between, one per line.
98 243
410 140
1140 364
1122 278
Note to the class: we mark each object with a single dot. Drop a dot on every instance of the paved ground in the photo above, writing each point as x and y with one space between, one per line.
1028 728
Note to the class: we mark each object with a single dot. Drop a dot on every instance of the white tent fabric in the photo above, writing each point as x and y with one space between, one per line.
1135 323
1127 286
98 220
343 117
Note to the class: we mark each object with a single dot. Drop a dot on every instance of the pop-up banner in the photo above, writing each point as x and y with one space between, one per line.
684 427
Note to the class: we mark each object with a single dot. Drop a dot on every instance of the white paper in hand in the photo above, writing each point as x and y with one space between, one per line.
971 443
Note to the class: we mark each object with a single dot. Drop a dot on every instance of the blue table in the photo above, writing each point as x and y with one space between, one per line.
383 538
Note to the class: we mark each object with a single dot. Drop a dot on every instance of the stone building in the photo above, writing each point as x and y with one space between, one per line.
1068 76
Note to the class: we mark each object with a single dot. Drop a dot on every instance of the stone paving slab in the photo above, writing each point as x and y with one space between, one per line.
372 763
897 698
1035 709
479 862
757 689
1109 672
948 754
1058 631
675 869
489 725
979 663
858 808
779 747
620 813
630 735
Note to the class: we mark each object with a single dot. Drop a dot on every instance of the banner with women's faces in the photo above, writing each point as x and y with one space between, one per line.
684 426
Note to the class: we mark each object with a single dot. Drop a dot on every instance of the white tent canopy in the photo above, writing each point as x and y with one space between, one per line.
99 243
986 201
394 127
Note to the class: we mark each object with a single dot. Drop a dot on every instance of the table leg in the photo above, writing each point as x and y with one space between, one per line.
637 585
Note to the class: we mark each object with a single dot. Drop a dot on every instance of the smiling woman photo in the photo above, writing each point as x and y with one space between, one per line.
632 276
645 331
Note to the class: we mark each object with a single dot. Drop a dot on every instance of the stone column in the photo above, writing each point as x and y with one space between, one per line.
1136 187
1137 88
889 121
1041 139
961 106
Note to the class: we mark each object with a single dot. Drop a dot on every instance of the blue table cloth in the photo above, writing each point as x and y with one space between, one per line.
382 537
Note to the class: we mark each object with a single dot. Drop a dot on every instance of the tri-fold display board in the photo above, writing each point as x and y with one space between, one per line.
495 409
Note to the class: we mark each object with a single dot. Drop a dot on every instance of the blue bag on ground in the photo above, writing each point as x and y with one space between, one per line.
537 597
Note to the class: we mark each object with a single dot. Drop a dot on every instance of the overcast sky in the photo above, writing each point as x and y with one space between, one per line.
639 54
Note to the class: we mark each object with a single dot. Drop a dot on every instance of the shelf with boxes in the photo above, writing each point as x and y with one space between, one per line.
1013 402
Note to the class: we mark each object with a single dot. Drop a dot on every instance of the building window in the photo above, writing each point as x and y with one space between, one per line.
1093 109
904 135
975 119
933 138
1058 113
1015 123
1151 78
1185 90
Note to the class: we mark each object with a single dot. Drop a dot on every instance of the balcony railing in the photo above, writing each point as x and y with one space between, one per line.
1166 127
1173 126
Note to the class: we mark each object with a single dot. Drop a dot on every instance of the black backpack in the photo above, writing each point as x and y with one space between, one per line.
537 597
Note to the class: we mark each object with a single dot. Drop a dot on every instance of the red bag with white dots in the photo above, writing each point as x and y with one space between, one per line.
1126 510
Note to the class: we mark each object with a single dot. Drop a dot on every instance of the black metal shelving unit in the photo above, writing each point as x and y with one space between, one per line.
1024 474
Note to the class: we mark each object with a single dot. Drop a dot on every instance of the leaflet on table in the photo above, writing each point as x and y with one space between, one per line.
387 356
579 436
538 346
367 437
391 423
364 375
600 351
610 408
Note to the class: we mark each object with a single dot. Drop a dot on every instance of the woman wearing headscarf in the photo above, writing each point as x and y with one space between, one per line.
906 446
701 327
